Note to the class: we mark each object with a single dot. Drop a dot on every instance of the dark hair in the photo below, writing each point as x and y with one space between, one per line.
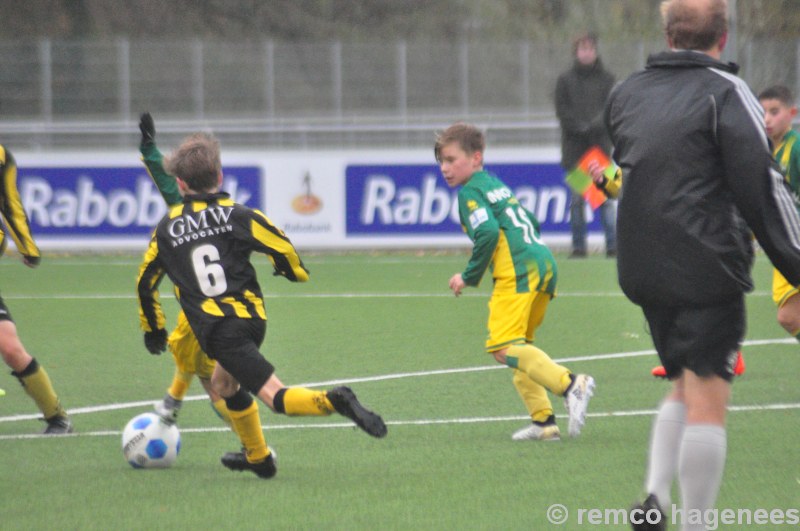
467 136
196 162
587 36
693 24
777 92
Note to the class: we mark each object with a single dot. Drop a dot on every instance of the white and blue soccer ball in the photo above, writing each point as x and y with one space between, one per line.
149 442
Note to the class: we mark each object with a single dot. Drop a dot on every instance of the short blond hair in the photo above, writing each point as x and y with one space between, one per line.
694 24
196 161
467 136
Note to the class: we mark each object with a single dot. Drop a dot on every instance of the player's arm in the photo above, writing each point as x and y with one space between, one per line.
609 186
13 213
154 162
272 241
151 315
483 230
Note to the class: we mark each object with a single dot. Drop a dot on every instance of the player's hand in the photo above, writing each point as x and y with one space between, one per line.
156 341
596 173
31 261
457 284
148 128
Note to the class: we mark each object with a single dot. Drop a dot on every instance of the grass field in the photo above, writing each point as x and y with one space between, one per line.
386 324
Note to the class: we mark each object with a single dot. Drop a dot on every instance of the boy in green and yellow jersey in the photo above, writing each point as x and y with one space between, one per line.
779 111
506 240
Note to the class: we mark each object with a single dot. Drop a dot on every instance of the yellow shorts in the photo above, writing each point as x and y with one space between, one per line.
514 318
189 357
781 289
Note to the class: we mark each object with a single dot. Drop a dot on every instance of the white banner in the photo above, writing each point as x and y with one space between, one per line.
322 199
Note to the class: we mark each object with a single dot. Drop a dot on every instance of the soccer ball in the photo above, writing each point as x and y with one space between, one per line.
149 442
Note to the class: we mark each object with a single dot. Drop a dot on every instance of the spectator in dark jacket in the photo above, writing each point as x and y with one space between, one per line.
580 96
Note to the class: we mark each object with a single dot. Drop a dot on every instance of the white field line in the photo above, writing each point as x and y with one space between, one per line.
322 258
166 295
418 422
371 260
397 376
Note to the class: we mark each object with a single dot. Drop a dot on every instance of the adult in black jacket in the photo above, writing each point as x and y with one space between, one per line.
697 172
580 96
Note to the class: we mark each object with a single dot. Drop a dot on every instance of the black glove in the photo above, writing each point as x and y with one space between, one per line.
156 341
148 129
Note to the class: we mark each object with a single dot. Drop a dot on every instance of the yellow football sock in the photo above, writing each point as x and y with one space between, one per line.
539 367
301 401
180 384
534 396
38 386
247 425
222 410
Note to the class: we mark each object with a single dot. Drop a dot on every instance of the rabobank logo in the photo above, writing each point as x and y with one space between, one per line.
109 200
414 199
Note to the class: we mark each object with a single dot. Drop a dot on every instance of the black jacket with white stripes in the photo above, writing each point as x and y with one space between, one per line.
689 136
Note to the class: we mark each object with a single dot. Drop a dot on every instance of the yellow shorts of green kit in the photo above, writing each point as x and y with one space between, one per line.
513 321
189 357
781 288
514 318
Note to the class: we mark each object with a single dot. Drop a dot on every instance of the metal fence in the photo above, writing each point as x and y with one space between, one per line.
332 94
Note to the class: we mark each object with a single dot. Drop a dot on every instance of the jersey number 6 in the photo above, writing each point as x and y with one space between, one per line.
209 273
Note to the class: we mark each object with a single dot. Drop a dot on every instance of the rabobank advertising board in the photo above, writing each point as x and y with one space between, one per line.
322 199
414 199
108 202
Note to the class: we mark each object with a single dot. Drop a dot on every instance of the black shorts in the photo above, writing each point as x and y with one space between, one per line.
704 340
234 344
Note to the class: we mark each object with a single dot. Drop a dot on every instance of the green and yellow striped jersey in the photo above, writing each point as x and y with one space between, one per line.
787 155
506 238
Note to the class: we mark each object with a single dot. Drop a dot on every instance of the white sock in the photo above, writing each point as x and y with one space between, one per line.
665 441
701 464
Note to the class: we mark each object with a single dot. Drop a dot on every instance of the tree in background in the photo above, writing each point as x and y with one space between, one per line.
314 20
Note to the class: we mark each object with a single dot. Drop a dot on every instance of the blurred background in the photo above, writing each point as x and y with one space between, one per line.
330 73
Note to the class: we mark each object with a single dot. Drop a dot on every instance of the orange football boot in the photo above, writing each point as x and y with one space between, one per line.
738 368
